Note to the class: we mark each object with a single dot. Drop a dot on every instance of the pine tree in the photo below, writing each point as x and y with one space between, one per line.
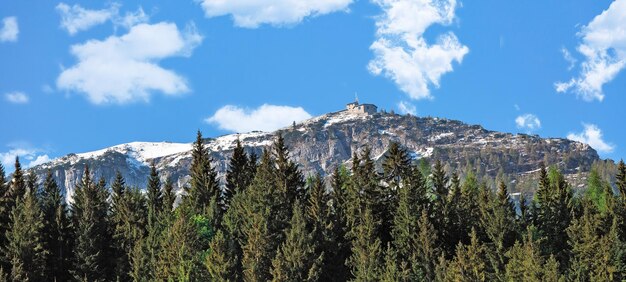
154 195
129 229
6 202
394 270
56 230
469 263
336 254
89 220
396 165
221 262
297 258
426 250
183 248
499 222
239 174
524 260
552 213
593 253
204 193
411 198
365 261
256 259
169 197
25 249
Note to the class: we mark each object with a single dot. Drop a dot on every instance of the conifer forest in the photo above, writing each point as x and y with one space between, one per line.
410 220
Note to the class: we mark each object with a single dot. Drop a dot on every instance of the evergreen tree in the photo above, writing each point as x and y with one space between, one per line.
469 263
155 196
297 258
426 249
552 213
183 248
394 270
6 202
499 222
169 197
525 262
56 230
256 259
365 261
129 228
221 262
89 220
239 174
204 193
594 256
26 250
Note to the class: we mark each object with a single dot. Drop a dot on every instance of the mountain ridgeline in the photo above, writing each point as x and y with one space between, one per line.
322 143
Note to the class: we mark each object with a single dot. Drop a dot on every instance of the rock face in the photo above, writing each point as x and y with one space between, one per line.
321 143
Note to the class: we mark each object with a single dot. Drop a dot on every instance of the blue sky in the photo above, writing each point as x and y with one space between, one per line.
77 76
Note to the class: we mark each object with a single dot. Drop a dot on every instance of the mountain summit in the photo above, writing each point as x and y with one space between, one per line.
318 144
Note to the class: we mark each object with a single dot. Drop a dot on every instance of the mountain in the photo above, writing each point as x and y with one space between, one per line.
321 143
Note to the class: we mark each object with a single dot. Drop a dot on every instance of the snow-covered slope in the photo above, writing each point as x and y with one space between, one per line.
323 142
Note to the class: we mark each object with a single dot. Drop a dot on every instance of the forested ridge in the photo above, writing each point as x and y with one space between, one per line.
409 221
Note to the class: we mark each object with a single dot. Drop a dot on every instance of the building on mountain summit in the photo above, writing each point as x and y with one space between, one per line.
355 107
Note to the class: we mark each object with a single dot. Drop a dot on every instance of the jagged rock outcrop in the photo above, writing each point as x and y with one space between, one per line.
321 143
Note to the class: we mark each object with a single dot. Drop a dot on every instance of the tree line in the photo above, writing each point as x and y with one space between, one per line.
404 222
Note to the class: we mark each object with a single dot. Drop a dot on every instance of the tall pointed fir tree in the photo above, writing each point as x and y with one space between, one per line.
5 213
15 191
221 262
169 197
239 174
154 196
552 213
406 216
256 260
396 168
437 207
26 250
336 269
365 262
297 258
129 232
320 222
525 262
204 193
56 230
427 250
470 262
90 224
500 225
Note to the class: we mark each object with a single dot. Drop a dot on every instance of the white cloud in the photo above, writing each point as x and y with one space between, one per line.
604 48
76 18
569 58
9 30
131 19
252 13
401 52
16 97
407 108
29 157
592 135
123 69
264 118
528 122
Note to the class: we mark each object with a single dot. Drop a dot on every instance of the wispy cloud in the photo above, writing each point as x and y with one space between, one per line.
76 18
124 69
9 30
401 51
252 13
16 97
592 135
528 122
407 108
604 48
264 118
29 157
